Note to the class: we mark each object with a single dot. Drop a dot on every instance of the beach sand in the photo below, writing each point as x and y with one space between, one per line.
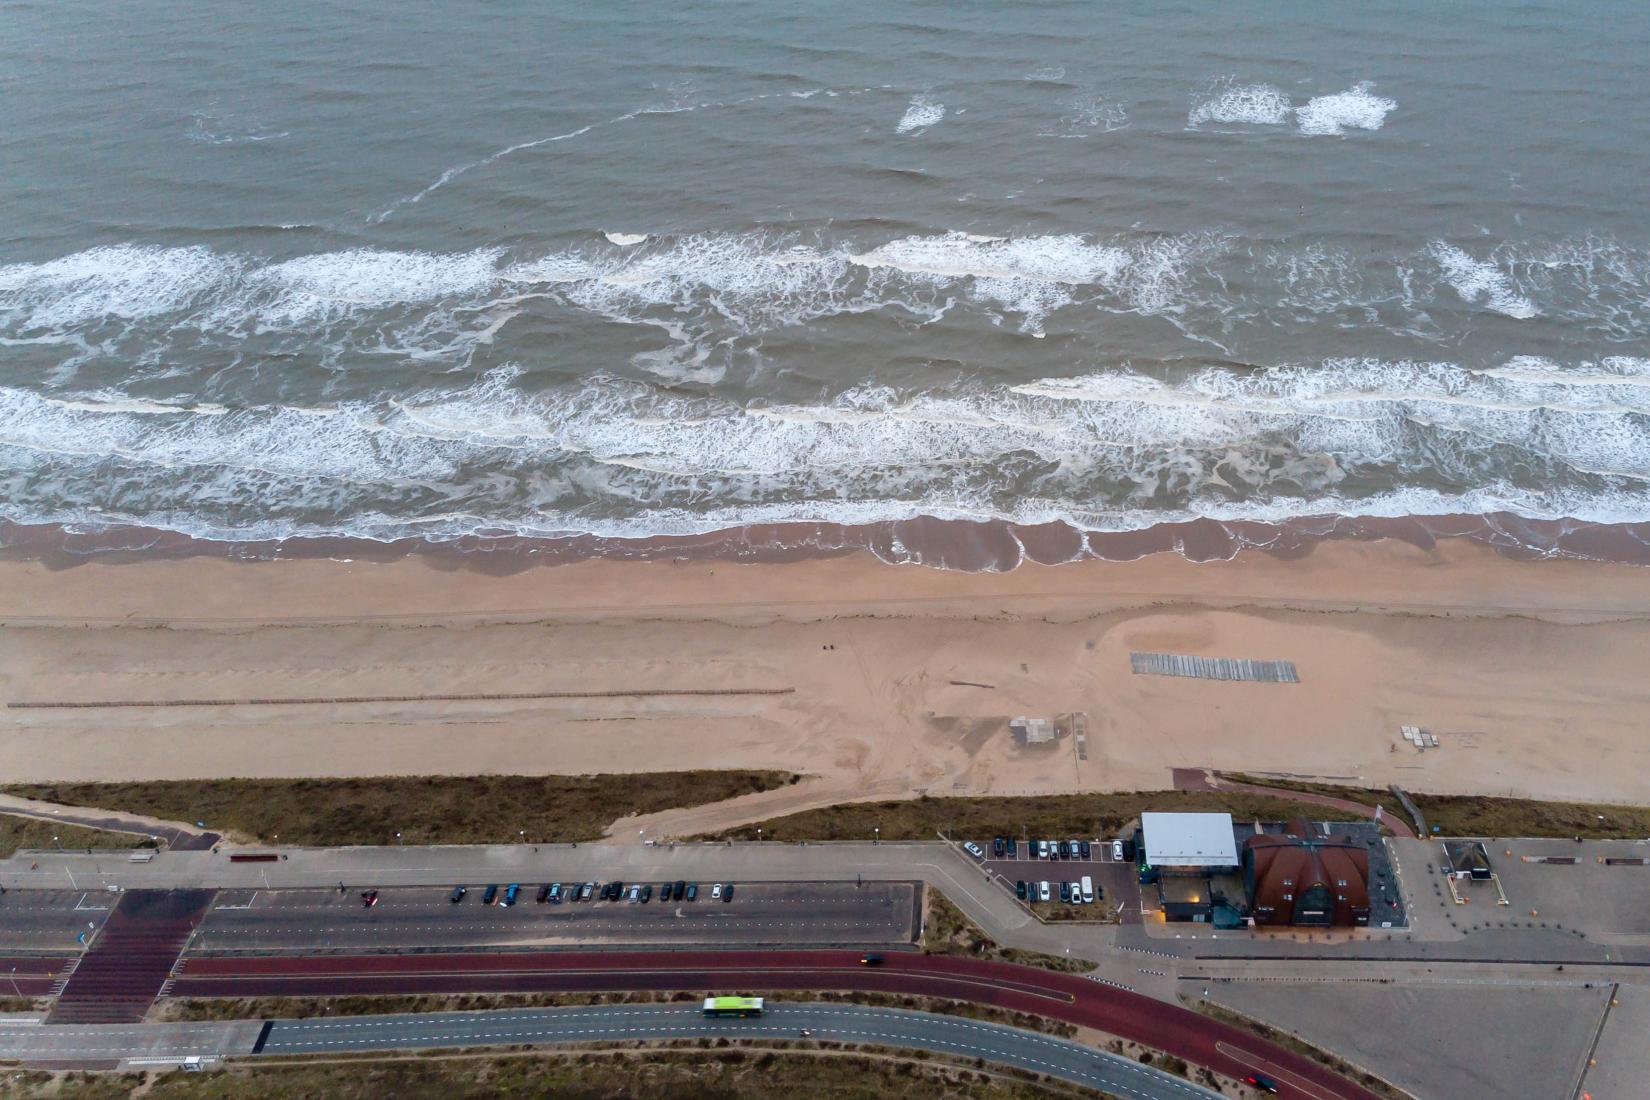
1531 673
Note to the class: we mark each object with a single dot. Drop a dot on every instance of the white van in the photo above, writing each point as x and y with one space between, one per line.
1088 890
1042 890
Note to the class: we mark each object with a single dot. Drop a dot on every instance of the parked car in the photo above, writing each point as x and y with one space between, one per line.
1076 849
510 893
681 890
727 893
458 894
693 891
543 894
647 893
1084 845
1042 849
491 896
369 898
1117 850
716 892
998 847
1020 890
615 890
555 893
974 850
635 894
1065 891
586 891
1042 890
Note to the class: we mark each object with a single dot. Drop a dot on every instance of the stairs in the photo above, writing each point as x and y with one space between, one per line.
130 962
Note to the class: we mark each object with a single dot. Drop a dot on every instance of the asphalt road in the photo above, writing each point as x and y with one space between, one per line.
50 920
1181 1032
760 914
839 1023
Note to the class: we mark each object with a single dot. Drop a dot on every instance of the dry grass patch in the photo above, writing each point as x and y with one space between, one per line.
29 832
1045 815
472 809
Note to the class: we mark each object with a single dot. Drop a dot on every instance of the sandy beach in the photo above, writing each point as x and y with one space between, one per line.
875 680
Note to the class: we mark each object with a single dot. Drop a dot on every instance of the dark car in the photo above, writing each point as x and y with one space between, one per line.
369 898
510 893
998 847
458 894
727 892
1065 891
1020 890
555 893
543 894
1065 849
647 894
870 960
666 891
681 890
1264 1084
491 896
693 891
1083 848
615 890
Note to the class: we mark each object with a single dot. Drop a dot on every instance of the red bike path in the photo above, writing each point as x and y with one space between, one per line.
1181 1032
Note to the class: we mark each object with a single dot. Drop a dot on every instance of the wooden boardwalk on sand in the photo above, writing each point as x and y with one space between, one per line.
1214 668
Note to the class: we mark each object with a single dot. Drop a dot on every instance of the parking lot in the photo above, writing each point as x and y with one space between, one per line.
759 913
1602 901
51 920
1116 887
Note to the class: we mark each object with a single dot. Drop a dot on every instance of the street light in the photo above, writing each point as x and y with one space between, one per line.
16 992
878 838
59 846
398 839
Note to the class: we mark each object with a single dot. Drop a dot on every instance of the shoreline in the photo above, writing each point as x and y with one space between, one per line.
969 546
902 680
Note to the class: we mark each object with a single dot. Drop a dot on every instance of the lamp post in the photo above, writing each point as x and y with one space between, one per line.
16 992
877 839
398 839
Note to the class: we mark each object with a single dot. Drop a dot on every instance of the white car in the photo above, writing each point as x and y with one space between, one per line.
716 892
1117 850
1043 891
974 850
1042 849
635 893
1076 893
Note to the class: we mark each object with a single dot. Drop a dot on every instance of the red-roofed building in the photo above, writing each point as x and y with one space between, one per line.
1301 877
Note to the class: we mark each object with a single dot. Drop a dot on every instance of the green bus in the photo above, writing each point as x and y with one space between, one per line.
733 1006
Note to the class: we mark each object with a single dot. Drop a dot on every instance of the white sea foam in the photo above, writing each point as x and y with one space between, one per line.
327 285
121 281
923 112
1106 451
1356 108
625 240
1227 101
1481 283
1047 74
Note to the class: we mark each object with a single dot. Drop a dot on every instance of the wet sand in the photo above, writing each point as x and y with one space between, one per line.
1530 672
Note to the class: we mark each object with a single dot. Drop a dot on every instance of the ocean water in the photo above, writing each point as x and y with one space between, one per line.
420 270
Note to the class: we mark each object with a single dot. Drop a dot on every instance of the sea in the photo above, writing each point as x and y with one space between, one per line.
654 274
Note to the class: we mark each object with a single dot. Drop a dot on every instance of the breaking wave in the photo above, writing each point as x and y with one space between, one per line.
1230 102
610 456
923 112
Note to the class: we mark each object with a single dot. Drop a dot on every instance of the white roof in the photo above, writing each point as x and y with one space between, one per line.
1189 840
